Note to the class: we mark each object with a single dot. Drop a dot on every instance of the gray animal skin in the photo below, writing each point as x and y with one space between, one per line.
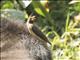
18 44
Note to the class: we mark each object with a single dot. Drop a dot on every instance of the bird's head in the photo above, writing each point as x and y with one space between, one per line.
32 19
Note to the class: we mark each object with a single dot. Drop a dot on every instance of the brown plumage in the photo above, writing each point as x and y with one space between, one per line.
34 30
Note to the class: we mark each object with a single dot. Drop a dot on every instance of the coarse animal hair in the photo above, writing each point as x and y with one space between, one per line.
18 44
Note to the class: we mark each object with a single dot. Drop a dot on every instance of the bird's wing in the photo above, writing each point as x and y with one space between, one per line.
38 32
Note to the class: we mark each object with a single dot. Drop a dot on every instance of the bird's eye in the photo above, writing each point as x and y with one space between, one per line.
31 21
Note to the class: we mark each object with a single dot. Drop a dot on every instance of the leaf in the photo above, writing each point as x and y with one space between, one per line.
39 8
7 5
67 22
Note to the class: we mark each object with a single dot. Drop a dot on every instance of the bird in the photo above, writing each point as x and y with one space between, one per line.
34 30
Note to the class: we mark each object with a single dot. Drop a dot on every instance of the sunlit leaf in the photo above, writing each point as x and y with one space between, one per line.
7 5
39 8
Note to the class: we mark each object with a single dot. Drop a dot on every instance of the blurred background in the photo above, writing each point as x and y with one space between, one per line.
58 20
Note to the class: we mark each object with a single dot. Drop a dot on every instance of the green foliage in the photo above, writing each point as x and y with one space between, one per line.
57 24
68 45
6 5
37 8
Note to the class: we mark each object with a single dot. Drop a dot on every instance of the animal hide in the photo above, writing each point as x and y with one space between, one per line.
18 44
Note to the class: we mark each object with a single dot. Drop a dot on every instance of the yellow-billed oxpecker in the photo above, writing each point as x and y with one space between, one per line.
34 30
